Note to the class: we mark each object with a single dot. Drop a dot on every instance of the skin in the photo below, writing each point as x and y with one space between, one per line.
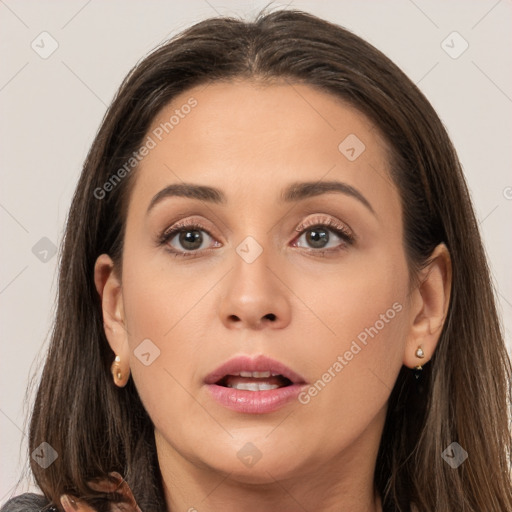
250 141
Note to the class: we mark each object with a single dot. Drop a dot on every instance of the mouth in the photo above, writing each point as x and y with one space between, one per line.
253 385
259 373
254 381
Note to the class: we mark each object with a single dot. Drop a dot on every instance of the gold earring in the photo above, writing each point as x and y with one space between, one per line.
419 354
117 373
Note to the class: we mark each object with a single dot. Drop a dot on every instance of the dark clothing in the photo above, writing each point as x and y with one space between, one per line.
28 502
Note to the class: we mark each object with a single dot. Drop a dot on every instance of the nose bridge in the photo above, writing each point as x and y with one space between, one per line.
254 296
251 273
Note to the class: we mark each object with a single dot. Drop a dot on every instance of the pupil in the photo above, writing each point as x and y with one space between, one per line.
191 237
318 237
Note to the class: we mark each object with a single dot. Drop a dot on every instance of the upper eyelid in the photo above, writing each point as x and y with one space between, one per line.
316 220
319 219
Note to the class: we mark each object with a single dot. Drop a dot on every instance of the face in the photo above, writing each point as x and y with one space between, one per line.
307 282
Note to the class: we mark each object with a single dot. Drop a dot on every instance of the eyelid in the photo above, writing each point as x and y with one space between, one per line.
187 223
328 221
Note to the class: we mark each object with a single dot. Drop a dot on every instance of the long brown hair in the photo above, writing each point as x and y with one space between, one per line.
464 396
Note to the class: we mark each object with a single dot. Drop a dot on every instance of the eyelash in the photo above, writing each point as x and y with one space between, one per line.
339 229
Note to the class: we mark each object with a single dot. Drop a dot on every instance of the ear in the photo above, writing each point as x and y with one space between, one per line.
430 301
110 291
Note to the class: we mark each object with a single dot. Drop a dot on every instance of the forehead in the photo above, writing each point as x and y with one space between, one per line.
253 139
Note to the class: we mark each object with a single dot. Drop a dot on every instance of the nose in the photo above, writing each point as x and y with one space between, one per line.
255 296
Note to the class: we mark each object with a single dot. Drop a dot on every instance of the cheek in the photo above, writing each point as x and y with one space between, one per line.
159 295
364 315
161 319
365 300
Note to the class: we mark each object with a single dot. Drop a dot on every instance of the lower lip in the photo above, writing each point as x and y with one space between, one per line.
254 402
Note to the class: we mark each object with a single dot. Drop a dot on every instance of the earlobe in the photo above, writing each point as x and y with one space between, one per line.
109 289
430 305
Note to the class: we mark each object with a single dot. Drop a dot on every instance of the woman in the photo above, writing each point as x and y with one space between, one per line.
273 293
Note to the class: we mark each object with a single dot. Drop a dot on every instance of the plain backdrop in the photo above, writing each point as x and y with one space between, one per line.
52 105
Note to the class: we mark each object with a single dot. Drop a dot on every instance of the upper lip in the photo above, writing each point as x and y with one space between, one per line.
259 363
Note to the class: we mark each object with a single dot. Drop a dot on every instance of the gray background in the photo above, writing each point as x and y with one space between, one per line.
51 109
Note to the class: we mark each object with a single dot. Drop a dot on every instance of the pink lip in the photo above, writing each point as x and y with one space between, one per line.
252 364
253 402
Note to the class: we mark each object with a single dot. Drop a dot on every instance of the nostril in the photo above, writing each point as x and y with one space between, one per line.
270 316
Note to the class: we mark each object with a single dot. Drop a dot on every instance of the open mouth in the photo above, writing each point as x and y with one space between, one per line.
254 381
254 384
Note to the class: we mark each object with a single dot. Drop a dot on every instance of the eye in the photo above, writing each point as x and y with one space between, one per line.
185 238
325 235
321 235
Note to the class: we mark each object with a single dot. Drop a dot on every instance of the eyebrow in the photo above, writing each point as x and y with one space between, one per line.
294 192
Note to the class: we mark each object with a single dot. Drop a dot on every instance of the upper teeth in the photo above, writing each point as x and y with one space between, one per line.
258 375
253 386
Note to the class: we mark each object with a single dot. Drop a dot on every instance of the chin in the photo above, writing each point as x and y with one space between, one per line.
252 466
